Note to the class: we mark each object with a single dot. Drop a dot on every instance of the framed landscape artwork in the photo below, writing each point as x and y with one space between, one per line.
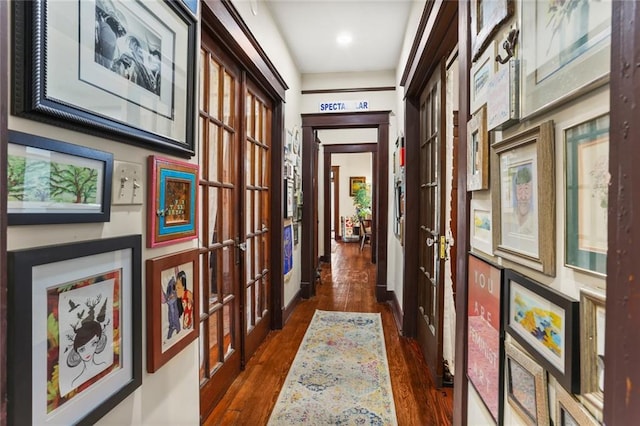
545 322
481 226
526 387
172 306
485 348
524 202
172 203
587 191
74 344
565 51
50 181
123 69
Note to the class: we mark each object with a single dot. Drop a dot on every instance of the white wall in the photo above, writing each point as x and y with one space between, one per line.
357 164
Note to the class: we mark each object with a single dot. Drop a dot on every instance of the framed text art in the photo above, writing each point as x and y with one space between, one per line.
172 203
524 203
486 18
587 192
355 183
123 69
478 151
172 306
50 181
526 387
485 349
545 322
74 348
592 320
565 51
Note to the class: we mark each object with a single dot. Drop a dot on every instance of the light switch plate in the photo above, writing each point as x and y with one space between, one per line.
128 184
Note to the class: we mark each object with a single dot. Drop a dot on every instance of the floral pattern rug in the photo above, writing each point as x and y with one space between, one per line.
340 375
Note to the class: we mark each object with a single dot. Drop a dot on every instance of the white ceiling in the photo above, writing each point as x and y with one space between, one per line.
310 29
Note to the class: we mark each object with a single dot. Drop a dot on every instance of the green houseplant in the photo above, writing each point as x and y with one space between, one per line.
362 201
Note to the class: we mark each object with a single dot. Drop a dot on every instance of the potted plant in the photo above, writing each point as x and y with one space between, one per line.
362 202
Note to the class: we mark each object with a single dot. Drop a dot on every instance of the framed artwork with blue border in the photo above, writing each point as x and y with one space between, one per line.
172 203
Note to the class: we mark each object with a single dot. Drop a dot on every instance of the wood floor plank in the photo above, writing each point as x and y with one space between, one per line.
348 284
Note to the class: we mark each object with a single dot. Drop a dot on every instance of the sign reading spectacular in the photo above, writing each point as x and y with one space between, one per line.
344 106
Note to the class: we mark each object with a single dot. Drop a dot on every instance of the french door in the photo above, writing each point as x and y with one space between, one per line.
431 241
234 152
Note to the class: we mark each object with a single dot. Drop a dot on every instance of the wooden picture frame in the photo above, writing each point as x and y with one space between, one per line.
172 201
545 322
355 183
592 356
480 75
50 181
524 200
526 387
569 411
63 299
486 18
478 151
289 200
485 338
172 305
586 195
565 50
69 73
481 226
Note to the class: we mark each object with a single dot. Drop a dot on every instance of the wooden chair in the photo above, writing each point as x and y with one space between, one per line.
365 232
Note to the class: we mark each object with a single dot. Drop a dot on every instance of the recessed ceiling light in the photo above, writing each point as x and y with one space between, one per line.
344 39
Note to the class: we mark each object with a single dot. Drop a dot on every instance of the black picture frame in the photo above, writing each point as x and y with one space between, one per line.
563 360
88 160
63 75
48 287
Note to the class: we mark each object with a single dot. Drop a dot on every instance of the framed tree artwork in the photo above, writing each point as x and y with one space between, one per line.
172 203
50 181
74 345
524 202
172 306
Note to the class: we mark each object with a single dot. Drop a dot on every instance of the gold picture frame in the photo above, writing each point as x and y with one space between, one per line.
569 411
478 151
523 210
355 183
526 387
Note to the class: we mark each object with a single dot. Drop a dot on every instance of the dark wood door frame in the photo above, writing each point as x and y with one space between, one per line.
347 149
310 124
335 173
4 48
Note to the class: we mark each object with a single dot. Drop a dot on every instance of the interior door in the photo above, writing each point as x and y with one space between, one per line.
431 257
235 202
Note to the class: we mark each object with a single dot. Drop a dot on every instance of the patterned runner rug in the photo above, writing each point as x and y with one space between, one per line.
340 375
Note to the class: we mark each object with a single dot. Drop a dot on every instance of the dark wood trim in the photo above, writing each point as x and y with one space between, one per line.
417 41
436 42
335 171
412 209
350 90
288 310
277 221
224 20
4 111
461 384
326 177
349 148
622 342
396 308
370 119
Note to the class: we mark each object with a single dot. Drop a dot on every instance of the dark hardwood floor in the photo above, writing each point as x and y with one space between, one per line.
348 284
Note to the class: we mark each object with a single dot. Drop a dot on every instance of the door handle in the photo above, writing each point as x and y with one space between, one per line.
243 246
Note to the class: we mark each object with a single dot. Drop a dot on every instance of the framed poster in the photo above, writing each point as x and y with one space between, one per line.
486 18
172 202
592 321
565 51
50 181
485 348
478 151
524 202
288 247
74 347
527 387
355 183
587 195
172 306
545 322
122 69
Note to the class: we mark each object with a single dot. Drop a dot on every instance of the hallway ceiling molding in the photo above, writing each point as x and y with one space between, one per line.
310 29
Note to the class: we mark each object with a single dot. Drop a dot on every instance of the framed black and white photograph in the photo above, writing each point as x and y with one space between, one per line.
74 345
124 69
523 208
50 181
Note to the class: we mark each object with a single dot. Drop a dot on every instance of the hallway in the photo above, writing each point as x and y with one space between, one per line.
348 284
